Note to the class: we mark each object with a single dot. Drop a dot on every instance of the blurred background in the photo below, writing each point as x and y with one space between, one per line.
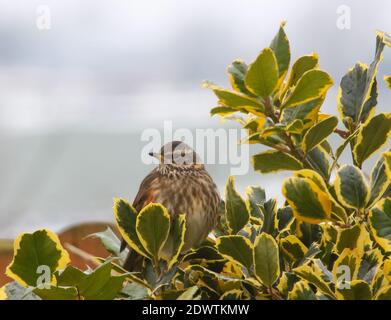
75 98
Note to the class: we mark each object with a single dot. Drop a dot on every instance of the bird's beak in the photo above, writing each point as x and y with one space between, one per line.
154 154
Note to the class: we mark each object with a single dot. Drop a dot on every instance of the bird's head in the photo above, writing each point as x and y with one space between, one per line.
177 153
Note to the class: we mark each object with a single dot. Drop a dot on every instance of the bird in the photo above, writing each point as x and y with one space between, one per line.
181 184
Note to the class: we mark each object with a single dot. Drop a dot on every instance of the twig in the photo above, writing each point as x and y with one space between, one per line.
82 254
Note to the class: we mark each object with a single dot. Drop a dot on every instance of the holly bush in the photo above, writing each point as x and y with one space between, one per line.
331 239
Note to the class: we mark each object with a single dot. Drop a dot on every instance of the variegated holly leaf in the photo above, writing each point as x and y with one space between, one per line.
380 223
281 49
372 136
387 79
352 93
346 266
266 259
312 84
152 227
351 238
236 248
308 202
351 187
293 248
313 274
380 177
237 72
358 290
125 217
301 291
235 207
177 234
301 66
236 100
318 133
262 75
99 284
273 161
35 253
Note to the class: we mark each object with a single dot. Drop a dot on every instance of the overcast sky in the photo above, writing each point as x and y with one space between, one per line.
106 61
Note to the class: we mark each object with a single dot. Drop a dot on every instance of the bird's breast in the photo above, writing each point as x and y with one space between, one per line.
197 197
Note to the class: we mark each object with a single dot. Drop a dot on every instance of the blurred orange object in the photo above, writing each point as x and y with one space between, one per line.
74 237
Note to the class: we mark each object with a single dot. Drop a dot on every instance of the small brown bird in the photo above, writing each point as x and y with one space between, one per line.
181 184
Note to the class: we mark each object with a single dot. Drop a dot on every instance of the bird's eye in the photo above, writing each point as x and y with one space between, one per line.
183 153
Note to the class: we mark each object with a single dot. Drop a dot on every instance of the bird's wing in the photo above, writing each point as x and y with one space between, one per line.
147 193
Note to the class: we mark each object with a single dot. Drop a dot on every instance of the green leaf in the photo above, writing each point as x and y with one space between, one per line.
342 147
301 291
177 234
350 238
296 126
384 293
319 133
369 262
190 294
222 111
385 38
100 285
293 248
313 275
286 282
71 276
380 223
351 188
236 211
284 218
152 227
135 291
256 197
369 105
234 294
306 112
301 66
352 94
236 248
125 217
359 290
269 209
372 136
370 91
337 212
262 75
236 73
348 258
34 250
379 178
110 241
309 203
313 84
266 259
387 163
272 161
319 161
280 47
97 285
387 79
56 293
238 101
206 252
